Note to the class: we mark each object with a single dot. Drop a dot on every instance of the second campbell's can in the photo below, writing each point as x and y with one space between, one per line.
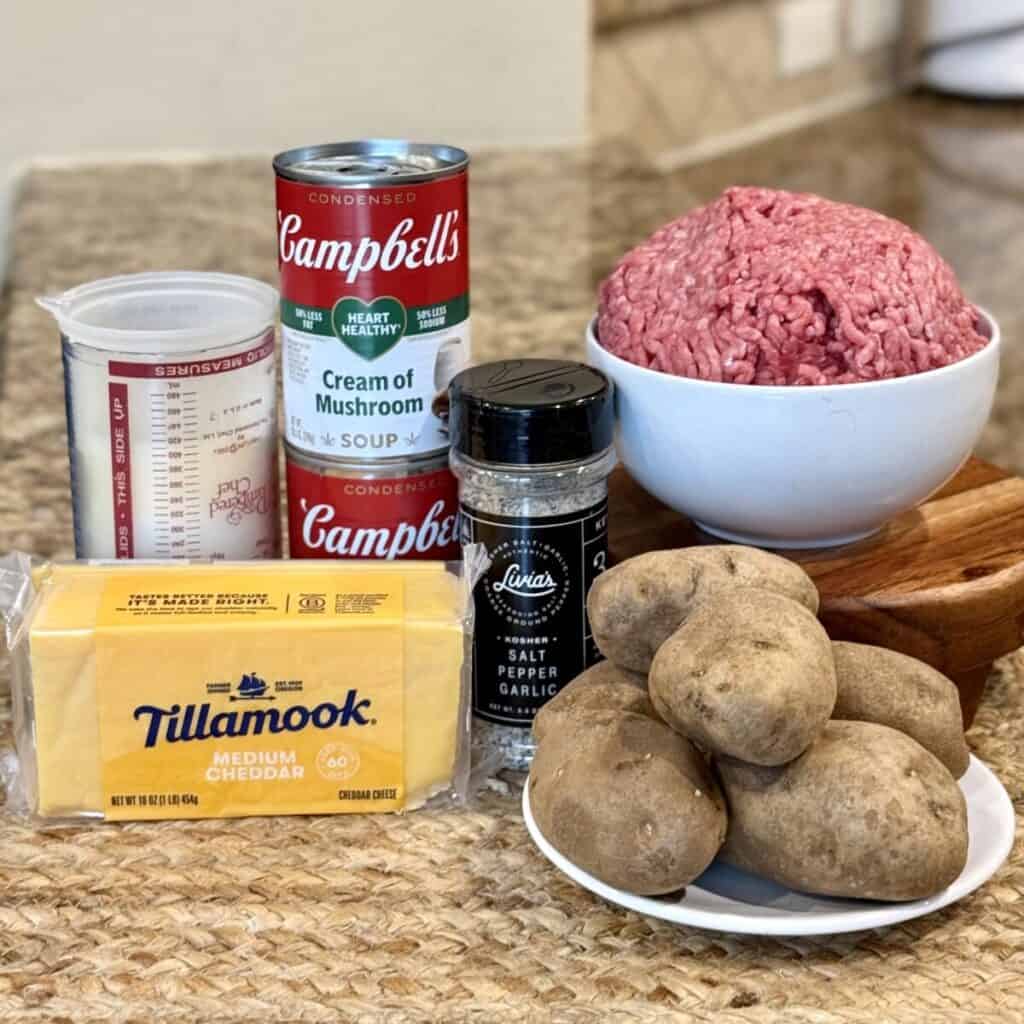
391 509
373 255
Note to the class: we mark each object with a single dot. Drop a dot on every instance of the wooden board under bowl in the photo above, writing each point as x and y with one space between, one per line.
944 582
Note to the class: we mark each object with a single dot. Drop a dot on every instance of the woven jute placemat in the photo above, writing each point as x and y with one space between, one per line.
453 916
438 915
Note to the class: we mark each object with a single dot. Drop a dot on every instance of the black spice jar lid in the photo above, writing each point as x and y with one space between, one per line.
531 412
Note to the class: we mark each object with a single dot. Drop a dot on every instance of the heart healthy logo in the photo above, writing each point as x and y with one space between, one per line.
369 328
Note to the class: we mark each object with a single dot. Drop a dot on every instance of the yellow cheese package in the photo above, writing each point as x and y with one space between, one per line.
148 690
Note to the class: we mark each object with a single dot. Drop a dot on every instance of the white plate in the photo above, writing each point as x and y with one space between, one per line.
726 899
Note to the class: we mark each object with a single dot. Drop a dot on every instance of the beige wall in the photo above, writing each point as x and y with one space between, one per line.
95 79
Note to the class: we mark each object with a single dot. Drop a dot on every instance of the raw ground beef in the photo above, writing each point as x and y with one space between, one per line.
768 287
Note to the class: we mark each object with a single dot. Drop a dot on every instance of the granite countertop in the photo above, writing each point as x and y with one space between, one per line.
453 915
546 227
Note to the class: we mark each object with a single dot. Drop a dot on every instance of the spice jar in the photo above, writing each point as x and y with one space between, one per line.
532 450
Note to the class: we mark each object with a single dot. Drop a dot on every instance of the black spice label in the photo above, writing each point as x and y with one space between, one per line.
532 635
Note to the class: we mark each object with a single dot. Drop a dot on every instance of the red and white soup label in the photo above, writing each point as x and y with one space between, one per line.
374 313
335 516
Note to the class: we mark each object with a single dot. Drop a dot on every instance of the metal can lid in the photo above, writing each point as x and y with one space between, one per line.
385 468
371 162
531 412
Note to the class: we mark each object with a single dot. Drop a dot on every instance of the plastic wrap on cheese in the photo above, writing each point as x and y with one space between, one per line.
149 690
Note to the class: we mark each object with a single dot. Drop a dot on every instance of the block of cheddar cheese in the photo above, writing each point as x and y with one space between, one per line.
224 689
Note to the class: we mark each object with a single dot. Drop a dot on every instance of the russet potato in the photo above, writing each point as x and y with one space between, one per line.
637 605
604 687
627 800
878 685
865 812
749 674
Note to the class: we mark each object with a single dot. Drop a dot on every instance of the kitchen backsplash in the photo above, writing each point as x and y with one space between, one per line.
612 13
687 79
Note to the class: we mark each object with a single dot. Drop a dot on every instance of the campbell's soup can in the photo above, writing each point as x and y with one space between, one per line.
407 508
373 250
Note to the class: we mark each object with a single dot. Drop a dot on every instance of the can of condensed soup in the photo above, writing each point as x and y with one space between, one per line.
373 255
170 382
394 509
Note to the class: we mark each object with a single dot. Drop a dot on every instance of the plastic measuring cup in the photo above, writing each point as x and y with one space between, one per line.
171 390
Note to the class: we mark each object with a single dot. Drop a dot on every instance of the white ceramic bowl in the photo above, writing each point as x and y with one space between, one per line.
797 467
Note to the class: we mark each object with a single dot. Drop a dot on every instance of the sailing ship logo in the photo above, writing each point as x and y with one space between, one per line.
252 687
